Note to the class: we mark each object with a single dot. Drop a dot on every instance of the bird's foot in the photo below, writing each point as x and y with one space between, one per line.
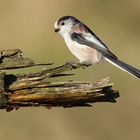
77 64
73 64
85 65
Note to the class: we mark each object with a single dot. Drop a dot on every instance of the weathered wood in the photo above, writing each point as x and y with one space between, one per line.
11 59
35 89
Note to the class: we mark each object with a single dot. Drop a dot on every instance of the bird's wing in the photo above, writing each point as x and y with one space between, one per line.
88 40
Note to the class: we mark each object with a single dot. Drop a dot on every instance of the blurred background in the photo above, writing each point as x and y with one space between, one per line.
28 25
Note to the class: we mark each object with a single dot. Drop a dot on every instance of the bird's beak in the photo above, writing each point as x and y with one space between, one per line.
57 30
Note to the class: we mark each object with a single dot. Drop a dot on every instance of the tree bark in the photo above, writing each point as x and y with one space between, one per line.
35 89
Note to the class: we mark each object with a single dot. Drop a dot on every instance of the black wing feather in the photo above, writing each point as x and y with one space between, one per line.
78 37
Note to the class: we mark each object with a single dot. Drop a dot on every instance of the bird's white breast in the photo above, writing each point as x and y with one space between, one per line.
84 53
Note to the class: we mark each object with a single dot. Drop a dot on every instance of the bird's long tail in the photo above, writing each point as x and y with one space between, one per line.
123 66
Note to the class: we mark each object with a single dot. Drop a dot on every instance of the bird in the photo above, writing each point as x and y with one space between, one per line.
86 46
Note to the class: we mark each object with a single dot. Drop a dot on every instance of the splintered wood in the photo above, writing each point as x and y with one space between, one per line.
35 89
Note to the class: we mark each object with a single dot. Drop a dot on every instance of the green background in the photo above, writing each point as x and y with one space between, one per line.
28 25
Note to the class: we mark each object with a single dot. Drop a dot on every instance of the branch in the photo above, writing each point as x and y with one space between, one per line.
11 59
35 89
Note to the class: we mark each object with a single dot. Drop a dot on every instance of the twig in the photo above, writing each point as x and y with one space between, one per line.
12 59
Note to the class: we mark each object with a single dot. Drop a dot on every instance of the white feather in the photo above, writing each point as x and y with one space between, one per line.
94 40
119 67
84 53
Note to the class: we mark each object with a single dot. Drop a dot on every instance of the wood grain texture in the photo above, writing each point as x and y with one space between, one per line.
35 89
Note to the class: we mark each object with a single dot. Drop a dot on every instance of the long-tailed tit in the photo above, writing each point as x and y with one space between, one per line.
86 46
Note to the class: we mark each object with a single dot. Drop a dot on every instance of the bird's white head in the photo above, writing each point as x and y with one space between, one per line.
64 25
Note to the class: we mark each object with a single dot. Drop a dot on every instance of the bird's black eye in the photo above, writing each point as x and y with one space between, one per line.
63 23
